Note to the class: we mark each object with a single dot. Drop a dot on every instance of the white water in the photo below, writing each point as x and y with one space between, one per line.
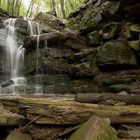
14 55
15 59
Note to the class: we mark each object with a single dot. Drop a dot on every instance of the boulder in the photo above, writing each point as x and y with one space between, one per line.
94 38
82 70
94 129
126 31
7 83
83 56
110 30
115 53
17 135
119 88
89 19
135 45
49 21
135 30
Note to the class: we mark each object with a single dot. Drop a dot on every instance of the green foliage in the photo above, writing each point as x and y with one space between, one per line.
68 6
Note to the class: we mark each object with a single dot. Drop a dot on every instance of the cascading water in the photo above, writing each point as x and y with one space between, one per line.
14 58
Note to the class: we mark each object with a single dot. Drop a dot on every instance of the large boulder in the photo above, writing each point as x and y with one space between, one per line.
49 22
117 54
94 129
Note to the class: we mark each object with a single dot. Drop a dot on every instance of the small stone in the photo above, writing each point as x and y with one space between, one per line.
123 93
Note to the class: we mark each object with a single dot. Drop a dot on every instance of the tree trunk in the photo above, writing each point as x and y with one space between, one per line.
71 4
30 7
65 111
100 97
18 12
63 8
54 7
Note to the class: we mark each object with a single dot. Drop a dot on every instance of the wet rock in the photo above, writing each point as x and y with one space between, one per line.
111 30
115 54
94 129
7 83
17 135
94 38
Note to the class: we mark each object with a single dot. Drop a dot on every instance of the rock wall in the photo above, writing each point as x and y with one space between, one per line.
97 51
111 29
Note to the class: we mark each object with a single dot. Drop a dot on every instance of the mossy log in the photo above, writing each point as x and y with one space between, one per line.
100 97
66 111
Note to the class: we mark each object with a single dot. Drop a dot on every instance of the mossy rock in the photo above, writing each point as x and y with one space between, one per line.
84 70
94 38
135 30
110 30
135 45
94 129
119 88
116 53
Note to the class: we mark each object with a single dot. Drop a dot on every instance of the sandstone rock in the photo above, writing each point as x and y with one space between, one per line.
82 55
50 22
135 30
119 88
90 18
115 53
135 45
87 69
94 38
8 118
94 129
17 135
110 30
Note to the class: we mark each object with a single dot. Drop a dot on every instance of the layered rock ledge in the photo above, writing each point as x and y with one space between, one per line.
61 115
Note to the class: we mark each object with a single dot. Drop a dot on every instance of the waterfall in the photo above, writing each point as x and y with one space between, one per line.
14 57
14 64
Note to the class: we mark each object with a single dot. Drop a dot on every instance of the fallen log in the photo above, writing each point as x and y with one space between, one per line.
66 111
100 97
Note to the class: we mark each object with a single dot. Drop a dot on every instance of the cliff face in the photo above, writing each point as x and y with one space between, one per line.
111 29
97 51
